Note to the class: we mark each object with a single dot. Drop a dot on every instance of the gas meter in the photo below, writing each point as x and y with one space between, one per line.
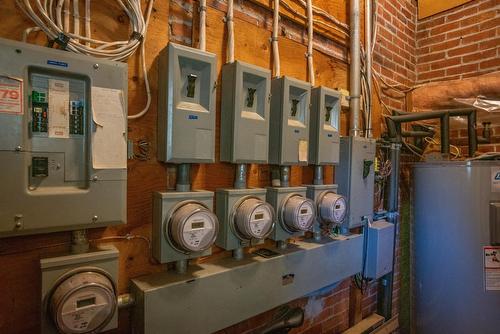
192 228
332 207
83 302
254 219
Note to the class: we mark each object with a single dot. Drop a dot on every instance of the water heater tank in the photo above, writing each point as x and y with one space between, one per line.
456 254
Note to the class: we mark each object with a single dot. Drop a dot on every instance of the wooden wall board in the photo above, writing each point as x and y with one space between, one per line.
428 8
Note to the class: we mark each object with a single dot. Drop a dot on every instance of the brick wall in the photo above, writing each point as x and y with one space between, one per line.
458 43
458 137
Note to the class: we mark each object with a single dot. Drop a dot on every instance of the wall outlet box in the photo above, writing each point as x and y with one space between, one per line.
380 249
186 105
356 177
324 138
164 205
245 112
52 178
226 202
290 108
55 269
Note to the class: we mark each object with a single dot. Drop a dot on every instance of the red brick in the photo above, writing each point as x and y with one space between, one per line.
445 28
431 75
477 18
446 63
479 56
490 43
431 57
479 36
431 40
463 50
462 32
488 4
491 63
430 23
493 23
459 14
462 69
445 45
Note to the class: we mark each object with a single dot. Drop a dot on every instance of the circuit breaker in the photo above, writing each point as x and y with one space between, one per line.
356 177
79 292
63 134
184 226
246 218
289 135
295 213
186 105
246 94
325 126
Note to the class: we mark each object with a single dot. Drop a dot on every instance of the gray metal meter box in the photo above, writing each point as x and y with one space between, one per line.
186 105
355 176
70 278
277 197
379 250
324 132
246 92
63 135
227 202
314 193
178 218
289 135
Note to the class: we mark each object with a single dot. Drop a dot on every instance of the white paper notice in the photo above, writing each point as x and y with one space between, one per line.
11 95
109 144
58 108
492 268
303 150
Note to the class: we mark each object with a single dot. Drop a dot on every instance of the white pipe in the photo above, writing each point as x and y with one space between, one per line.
310 36
203 23
368 65
230 31
355 69
274 40
87 21
76 19
66 15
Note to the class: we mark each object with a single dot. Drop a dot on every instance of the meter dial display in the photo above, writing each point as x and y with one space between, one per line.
83 303
193 227
254 218
332 208
298 213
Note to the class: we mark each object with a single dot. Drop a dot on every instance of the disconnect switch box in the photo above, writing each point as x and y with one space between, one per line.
379 249
186 105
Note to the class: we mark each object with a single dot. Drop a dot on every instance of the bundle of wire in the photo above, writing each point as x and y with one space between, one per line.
53 18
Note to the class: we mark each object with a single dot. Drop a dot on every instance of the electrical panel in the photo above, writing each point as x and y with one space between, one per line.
79 292
380 246
63 134
246 93
295 213
356 177
246 218
331 208
290 108
325 126
184 226
186 105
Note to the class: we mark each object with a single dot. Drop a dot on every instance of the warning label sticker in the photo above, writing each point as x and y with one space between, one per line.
495 179
492 268
11 95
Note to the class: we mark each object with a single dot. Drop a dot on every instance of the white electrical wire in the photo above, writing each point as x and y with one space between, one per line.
76 18
48 18
274 39
203 25
230 31
310 44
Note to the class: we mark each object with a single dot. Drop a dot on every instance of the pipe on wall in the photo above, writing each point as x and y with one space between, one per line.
368 64
355 69
183 182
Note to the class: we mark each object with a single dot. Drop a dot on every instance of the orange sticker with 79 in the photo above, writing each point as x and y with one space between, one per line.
11 96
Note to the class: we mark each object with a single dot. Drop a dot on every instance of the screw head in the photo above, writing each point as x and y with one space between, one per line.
95 218
18 220
95 178
96 66
19 148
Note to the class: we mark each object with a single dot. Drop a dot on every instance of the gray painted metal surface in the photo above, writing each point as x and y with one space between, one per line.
354 152
164 203
290 108
379 249
106 258
71 193
245 112
451 227
324 137
226 201
213 296
186 105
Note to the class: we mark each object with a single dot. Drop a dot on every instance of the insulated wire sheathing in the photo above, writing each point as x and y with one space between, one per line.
274 39
230 31
310 45
203 25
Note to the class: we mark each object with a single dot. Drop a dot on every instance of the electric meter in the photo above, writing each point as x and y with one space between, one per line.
332 208
193 227
298 213
254 218
84 302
